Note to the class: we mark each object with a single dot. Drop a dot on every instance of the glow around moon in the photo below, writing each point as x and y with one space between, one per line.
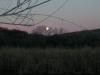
47 28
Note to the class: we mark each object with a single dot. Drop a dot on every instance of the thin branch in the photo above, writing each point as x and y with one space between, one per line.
6 13
30 7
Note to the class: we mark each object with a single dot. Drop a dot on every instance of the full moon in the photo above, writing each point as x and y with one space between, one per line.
47 28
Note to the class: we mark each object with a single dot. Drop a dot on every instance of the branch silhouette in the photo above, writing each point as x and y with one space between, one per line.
20 4
6 13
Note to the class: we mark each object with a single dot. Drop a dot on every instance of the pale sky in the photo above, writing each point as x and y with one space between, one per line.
85 13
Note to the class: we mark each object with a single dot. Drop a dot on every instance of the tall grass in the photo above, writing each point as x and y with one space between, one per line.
20 61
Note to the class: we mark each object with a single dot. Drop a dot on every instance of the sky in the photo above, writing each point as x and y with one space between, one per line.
72 15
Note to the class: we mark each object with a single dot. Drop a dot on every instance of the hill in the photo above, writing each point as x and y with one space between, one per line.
15 38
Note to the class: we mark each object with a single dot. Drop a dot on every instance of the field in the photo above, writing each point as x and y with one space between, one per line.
32 61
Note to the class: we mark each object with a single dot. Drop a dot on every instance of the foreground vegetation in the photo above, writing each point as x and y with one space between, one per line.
32 61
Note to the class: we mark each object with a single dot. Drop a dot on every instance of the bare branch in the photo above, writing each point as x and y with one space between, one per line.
6 13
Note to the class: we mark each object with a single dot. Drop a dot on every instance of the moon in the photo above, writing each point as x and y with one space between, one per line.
47 28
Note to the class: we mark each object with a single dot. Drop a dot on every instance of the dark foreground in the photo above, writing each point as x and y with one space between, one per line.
49 61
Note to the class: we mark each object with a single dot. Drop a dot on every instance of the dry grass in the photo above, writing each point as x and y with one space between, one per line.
20 61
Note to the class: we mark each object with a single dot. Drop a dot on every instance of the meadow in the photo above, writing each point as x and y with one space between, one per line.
49 61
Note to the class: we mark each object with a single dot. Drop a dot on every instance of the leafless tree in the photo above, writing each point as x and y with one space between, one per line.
47 30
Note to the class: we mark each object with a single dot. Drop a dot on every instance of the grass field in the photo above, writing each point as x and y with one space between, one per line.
21 61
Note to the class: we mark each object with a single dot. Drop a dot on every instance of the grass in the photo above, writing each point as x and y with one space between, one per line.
21 61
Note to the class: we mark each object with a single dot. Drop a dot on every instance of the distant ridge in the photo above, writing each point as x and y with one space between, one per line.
91 31
16 38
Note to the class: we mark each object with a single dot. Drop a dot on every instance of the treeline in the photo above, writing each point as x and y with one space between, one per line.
15 38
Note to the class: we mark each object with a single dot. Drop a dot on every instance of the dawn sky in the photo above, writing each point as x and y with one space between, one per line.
85 13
